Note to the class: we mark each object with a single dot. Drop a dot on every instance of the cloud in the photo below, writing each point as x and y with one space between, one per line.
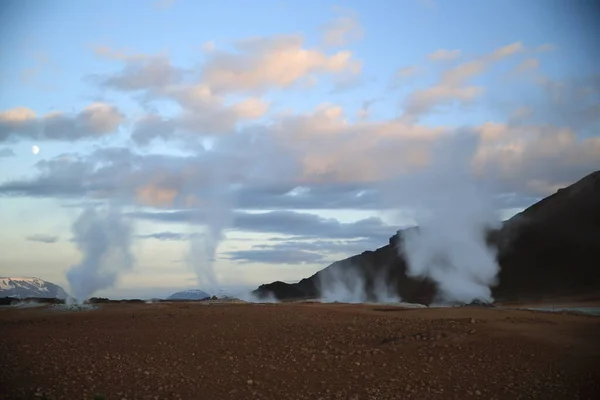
570 102
150 179
42 238
40 65
203 114
140 72
522 113
444 55
302 161
317 145
407 72
276 256
151 127
544 48
277 62
364 112
326 145
507 51
318 159
304 251
165 236
527 65
96 120
6 152
402 75
291 223
257 64
453 87
343 30
208 46
534 159
310 196
202 110
110 53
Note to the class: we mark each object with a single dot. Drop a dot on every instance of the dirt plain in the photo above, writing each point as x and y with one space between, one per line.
296 351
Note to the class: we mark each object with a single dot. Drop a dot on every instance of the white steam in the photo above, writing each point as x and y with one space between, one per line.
203 245
347 284
229 161
453 212
104 239
213 214
250 297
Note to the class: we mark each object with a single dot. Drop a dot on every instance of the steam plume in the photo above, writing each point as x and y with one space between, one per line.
346 283
202 251
453 212
104 239
214 214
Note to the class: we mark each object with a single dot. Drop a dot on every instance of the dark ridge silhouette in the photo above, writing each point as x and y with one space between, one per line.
7 301
550 249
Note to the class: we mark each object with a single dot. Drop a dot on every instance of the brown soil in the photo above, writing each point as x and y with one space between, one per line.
296 351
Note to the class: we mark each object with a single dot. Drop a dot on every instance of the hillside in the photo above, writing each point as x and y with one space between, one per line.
549 249
23 287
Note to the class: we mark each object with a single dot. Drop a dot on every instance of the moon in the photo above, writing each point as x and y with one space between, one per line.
35 149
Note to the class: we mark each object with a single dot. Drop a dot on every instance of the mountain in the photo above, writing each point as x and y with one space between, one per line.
552 248
192 294
22 287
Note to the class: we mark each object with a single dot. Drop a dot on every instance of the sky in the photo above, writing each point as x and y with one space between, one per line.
284 124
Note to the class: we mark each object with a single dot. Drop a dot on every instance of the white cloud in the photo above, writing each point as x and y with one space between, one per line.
364 112
141 71
527 65
40 72
407 72
110 53
342 30
507 51
535 153
203 113
444 55
208 46
453 84
269 159
93 121
544 48
276 62
522 113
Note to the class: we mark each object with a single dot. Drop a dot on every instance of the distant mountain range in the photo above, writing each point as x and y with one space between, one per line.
22 287
192 294
552 248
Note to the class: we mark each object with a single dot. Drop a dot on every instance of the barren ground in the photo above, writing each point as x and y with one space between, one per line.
297 351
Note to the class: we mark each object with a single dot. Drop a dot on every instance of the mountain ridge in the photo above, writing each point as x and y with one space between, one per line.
23 287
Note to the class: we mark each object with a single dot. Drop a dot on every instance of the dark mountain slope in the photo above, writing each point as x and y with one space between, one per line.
551 248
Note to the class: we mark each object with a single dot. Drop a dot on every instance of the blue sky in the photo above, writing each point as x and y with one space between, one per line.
337 98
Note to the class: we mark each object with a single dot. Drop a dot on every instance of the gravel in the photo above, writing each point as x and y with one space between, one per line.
296 351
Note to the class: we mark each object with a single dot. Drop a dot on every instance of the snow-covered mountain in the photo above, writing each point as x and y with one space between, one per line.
21 287
192 294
